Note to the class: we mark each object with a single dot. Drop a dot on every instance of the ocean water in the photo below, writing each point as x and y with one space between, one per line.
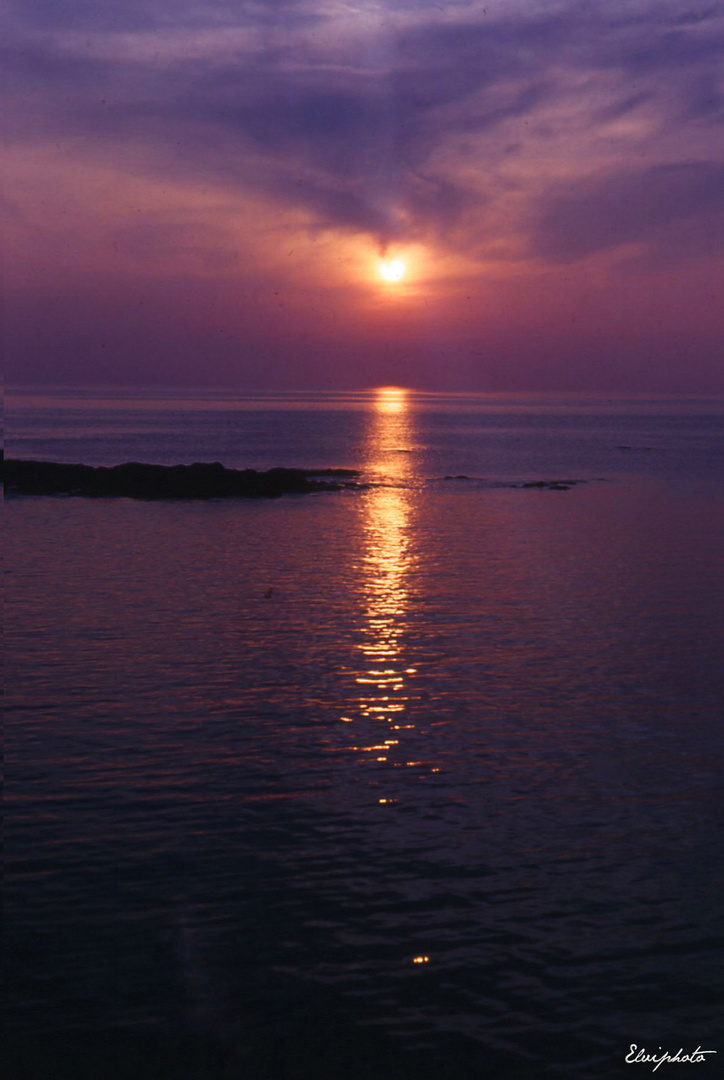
416 780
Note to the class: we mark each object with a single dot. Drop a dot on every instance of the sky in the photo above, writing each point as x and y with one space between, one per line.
204 194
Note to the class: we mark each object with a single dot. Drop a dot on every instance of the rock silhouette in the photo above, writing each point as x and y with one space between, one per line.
135 480
550 485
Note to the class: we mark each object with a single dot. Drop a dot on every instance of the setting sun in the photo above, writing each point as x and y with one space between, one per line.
392 269
391 399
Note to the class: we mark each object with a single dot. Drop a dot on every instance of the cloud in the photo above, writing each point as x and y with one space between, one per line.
648 205
123 16
365 122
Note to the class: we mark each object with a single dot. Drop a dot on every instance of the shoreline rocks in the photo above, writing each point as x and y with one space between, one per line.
136 480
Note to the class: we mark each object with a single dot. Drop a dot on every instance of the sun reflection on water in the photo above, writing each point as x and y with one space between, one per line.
388 555
387 569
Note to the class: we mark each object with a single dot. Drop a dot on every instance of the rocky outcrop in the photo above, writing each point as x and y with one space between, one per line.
140 481
550 485
540 485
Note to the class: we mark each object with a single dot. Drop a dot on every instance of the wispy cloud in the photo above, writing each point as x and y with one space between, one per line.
635 207
360 132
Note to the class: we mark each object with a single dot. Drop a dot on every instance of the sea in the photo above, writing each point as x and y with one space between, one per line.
414 779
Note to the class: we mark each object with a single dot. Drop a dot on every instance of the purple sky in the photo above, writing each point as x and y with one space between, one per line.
201 194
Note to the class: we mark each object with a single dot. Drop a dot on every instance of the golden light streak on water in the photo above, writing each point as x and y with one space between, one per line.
387 555
386 571
386 567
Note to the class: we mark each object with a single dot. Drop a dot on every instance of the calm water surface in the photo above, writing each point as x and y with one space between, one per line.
444 804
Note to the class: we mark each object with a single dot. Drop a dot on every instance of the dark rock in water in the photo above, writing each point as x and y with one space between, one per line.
461 476
140 481
346 473
551 485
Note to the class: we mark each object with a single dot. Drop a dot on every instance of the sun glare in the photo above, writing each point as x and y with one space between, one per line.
391 399
392 269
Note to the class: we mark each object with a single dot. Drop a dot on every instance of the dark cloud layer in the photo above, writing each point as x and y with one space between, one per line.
134 15
368 135
634 207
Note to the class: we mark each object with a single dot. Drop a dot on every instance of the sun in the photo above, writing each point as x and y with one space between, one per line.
392 269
